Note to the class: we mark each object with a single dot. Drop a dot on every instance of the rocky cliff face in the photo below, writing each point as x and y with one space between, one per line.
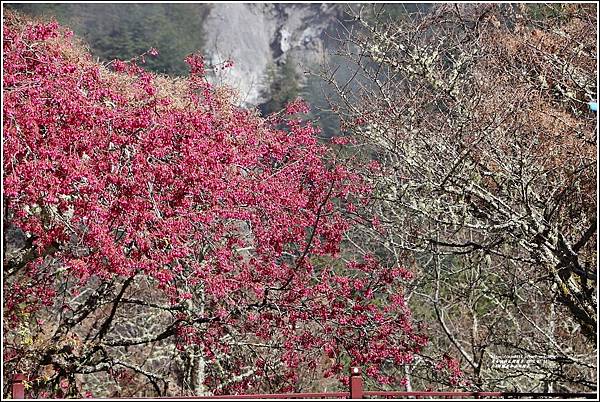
257 36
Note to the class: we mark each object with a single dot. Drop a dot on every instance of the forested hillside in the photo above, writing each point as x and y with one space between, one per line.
124 31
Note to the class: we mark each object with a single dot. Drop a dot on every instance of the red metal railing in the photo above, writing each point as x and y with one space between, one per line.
300 395
356 391
18 388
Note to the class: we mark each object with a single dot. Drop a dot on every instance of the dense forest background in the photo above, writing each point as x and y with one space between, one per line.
125 31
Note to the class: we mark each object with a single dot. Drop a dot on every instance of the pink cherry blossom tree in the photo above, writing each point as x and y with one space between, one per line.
174 243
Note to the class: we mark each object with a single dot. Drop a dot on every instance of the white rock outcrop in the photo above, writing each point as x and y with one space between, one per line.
256 36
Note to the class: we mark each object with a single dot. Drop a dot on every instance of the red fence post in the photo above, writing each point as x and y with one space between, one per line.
356 383
18 388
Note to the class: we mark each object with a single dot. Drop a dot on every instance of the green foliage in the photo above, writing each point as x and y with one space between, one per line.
545 11
124 31
316 93
284 86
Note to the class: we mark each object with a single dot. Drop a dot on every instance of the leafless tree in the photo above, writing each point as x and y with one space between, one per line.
482 152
